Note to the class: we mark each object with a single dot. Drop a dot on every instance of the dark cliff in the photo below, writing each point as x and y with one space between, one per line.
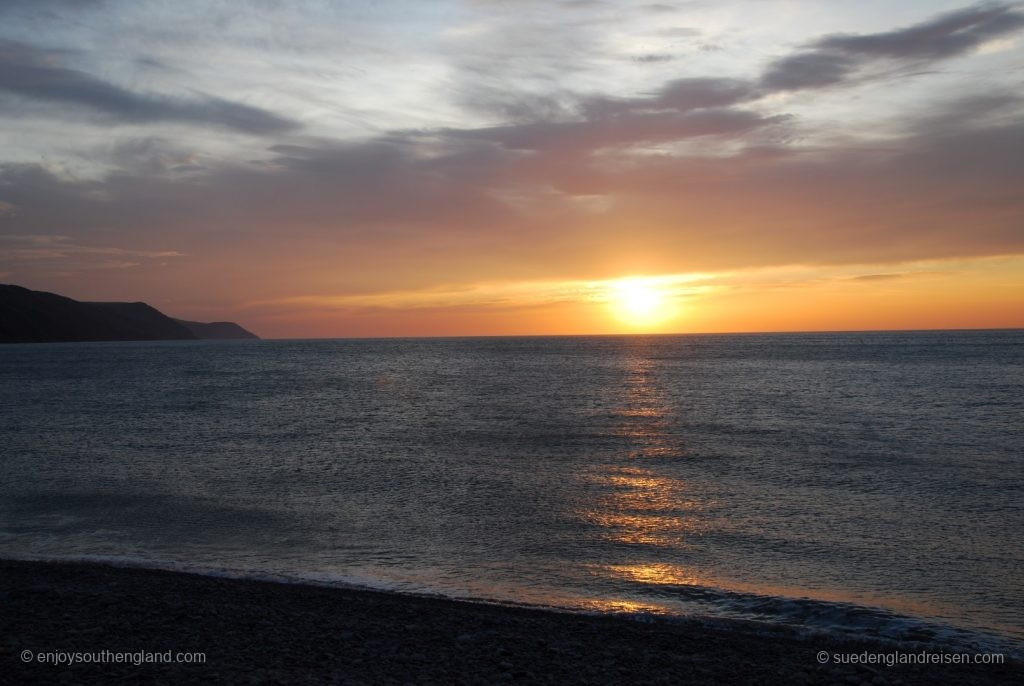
216 329
28 316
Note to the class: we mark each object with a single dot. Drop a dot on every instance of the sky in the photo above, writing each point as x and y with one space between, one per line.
479 167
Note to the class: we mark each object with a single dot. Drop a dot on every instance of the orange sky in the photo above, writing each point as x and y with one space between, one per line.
987 293
473 168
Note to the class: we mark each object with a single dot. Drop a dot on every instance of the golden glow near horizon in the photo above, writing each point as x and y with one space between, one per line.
927 294
933 294
640 302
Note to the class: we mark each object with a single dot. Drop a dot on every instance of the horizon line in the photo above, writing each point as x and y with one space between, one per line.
614 335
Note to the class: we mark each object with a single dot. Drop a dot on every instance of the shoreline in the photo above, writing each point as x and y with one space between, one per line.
927 633
254 631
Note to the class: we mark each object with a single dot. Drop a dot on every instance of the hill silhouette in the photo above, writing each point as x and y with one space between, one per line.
28 316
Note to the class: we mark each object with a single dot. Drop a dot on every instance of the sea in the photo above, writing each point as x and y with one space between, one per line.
866 484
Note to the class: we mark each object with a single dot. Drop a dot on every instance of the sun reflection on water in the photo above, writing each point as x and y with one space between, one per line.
642 408
656 573
639 504
622 605
644 509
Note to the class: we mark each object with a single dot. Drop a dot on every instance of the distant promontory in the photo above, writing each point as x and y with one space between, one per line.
28 316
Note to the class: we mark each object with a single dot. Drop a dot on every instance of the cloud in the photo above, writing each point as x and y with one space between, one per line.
838 58
692 107
878 277
808 70
625 129
33 73
682 109
653 58
488 295
57 252
681 95
659 8
148 155
695 174
901 276
46 6
408 209
946 36
681 32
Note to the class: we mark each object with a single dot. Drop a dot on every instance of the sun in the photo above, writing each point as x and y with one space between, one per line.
639 302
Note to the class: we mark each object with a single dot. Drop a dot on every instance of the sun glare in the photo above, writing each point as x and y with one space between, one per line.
639 302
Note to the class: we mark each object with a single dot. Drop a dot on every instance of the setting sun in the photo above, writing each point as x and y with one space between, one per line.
639 302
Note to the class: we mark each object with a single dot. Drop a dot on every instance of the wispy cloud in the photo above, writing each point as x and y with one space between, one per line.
61 252
37 74
838 58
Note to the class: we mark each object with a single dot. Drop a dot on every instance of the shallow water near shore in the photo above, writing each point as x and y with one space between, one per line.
859 482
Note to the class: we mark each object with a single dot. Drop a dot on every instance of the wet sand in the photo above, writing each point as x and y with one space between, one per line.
264 632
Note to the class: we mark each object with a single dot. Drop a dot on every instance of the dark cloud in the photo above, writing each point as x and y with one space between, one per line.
680 95
946 36
808 70
48 5
32 73
838 58
625 129
653 58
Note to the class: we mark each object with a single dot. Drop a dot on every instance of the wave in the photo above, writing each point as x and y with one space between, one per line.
806 617
846 619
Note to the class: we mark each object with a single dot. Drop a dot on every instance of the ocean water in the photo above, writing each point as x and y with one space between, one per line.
855 482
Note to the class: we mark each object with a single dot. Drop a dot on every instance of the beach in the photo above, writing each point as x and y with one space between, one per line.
265 632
